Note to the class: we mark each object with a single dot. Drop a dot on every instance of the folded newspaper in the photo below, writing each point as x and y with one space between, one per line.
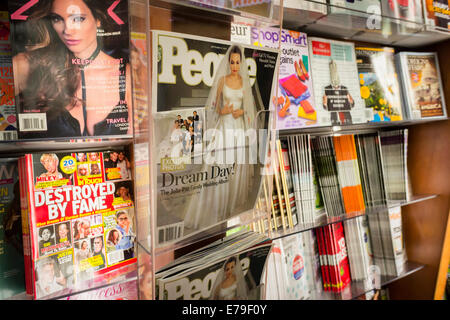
227 269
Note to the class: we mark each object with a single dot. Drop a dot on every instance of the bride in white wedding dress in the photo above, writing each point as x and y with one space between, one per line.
230 112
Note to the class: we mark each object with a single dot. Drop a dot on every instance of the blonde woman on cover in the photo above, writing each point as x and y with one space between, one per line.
50 162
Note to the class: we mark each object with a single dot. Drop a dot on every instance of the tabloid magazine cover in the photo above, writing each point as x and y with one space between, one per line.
71 70
81 219
437 13
335 83
378 79
211 98
12 275
295 105
423 93
8 125
234 277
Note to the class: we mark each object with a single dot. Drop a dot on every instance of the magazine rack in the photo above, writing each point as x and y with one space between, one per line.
190 17
213 20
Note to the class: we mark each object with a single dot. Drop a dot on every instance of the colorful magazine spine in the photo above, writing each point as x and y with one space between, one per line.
24 205
343 268
348 171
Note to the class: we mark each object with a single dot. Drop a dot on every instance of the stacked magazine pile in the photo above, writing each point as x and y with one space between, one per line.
387 241
348 172
371 171
293 269
230 268
325 162
286 214
358 247
333 257
394 147
303 176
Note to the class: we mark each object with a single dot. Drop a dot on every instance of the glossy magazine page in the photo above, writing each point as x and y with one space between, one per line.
335 82
82 220
295 105
210 140
230 277
71 70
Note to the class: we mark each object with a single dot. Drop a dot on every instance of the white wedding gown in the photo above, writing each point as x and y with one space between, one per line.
217 203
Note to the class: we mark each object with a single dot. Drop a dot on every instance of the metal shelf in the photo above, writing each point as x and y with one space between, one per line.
356 128
19 147
330 220
358 288
350 24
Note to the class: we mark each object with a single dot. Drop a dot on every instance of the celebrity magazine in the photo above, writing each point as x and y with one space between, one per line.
8 125
423 93
12 275
211 98
378 79
81 220
71 70
229 269
335 83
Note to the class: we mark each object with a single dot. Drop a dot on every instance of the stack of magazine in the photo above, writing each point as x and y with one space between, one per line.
341 175
387 241
325 162
333 257
394 147
286 214
348 171
230 268
371 170
359 248
303 176
293 269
